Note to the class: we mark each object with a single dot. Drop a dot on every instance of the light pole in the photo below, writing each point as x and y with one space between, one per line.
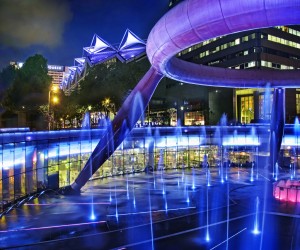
108 106
52 89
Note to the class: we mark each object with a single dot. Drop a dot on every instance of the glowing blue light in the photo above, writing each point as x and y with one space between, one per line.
134 203
241 140
290 140
256 231
92 217
207 237
256 219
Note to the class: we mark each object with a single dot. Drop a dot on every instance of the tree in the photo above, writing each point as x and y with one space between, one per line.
7 77
113 81
27 92
30 86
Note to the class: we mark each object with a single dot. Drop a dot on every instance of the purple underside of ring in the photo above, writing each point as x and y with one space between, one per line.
233 78
202 20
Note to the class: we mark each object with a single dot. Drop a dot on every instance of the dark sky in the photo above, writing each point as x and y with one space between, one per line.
59 29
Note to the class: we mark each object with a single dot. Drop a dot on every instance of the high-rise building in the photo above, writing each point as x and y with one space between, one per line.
270 48
57 72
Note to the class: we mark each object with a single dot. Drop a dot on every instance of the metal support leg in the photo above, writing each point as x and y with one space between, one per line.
125 120
277 125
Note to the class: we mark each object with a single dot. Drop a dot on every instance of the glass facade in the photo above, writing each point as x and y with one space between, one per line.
33 161
269 48
298 102
247 109
193 118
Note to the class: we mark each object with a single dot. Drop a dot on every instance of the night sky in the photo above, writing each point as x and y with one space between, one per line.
59 29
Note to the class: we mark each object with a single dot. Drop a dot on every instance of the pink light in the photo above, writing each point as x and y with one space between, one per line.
34 157
287 190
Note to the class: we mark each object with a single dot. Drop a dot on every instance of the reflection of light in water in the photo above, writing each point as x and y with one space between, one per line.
50 227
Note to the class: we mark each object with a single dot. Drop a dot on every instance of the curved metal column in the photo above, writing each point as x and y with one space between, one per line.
127 116
277 125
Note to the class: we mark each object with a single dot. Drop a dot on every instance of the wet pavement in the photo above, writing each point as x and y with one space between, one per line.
174 209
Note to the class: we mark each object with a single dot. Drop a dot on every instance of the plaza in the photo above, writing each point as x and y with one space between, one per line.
160 210
121 186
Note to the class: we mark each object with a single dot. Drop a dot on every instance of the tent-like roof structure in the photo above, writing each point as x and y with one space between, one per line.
80 64
99 51
131 47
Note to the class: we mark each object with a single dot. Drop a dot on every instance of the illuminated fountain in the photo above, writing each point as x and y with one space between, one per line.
214 204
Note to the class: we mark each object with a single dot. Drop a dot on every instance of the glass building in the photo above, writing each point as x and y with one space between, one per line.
34 161
270 48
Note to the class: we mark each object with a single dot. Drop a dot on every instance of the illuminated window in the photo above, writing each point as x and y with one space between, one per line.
298 102
284 42
245 39
275 65
194 118
247 109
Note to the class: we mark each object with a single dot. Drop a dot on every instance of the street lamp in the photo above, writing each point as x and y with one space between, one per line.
109 106
53 89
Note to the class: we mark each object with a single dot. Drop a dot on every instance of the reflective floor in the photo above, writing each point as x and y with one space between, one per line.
182 209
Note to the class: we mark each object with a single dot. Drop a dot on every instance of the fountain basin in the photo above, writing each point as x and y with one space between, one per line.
287 190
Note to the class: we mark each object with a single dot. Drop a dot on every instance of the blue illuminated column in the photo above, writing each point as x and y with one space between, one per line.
277 124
